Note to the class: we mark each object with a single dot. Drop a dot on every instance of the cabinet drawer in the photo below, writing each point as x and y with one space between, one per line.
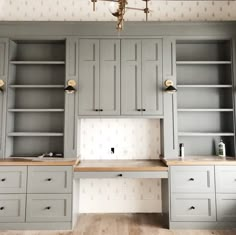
225 179
48 208
12 207
50 179
193 207
192 179
13 179
120 175
226 207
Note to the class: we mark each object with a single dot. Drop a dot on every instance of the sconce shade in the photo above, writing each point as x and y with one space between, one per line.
70 89
170 89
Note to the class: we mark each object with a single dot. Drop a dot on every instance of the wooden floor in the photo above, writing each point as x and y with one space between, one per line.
121 224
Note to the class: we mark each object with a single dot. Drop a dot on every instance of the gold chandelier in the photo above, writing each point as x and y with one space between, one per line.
120 9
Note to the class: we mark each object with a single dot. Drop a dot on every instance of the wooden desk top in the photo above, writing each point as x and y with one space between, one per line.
37 162
200 161
120 165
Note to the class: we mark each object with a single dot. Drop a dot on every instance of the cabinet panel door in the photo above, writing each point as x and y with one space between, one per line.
131 77
110 77
88 87
152 77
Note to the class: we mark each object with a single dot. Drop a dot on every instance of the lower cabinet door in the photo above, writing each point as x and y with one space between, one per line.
226 207
48 208
12 208
193 207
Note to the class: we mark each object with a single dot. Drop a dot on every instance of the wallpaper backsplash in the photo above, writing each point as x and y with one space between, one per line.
132 139
81 10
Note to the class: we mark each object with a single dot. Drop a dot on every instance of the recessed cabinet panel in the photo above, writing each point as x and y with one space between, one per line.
109 77
88 77
152 77
131 77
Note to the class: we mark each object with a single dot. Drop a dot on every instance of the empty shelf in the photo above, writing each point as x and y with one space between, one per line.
38 62
204 86
36 110
36 86
202 62
205 110
205 134
35 134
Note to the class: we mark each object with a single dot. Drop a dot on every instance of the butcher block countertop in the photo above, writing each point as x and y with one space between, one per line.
120 165
200 161
37 162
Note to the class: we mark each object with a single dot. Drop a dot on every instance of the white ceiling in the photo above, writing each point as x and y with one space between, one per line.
81 10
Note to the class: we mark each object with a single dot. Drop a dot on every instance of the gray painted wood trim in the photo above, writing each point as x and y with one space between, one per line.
71 100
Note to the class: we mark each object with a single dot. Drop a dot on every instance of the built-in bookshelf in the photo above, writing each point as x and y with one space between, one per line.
205 99
35 115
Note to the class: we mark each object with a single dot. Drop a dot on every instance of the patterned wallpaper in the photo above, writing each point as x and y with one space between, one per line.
132 139
81 10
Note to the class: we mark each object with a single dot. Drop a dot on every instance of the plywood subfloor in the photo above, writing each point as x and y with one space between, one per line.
121 224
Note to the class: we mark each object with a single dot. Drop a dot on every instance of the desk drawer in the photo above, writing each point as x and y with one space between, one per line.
192 179
116 174
48 208
225 179
226 207
193 207
12 208
13 179
49 179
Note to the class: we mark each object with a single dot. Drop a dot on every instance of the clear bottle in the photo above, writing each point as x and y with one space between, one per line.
221 149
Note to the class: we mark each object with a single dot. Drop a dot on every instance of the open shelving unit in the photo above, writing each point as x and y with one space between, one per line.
35 117
205 97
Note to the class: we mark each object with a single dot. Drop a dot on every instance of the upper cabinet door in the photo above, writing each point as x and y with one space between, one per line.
88 87
109 77
152 77
131 77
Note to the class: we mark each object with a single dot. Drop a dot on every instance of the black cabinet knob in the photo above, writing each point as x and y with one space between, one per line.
139 110
192 208
48 208
191 179
96 110
2 208
119 175
3 179
143 110
101 110
49 179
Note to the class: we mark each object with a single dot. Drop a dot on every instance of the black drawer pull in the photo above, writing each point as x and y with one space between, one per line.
120 175
49 179
139 110
3 179
144 110
101 110
191 179
192 208
48 208
2 208
96 110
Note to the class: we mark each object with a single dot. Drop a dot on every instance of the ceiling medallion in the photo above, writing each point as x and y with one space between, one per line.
118 9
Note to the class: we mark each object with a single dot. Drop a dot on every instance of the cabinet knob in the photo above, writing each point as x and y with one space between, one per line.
49 179
191 179
96 110
143 110
48 208
2 208
101 110
192 208
3 179
120 175
139 110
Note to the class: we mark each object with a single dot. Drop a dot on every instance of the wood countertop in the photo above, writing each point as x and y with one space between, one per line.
37 162
120 165
200 160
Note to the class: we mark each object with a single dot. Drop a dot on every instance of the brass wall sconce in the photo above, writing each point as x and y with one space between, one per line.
2 83
170 87
70 87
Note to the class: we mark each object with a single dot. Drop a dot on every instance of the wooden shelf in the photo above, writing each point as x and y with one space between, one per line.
37 134
35 110
202 62
37 62
205 134
205 110
204 86
37 86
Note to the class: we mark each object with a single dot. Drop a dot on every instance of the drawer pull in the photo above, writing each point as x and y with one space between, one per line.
3 179
192 208
49 179
48 208
120 175
2 208
191 179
